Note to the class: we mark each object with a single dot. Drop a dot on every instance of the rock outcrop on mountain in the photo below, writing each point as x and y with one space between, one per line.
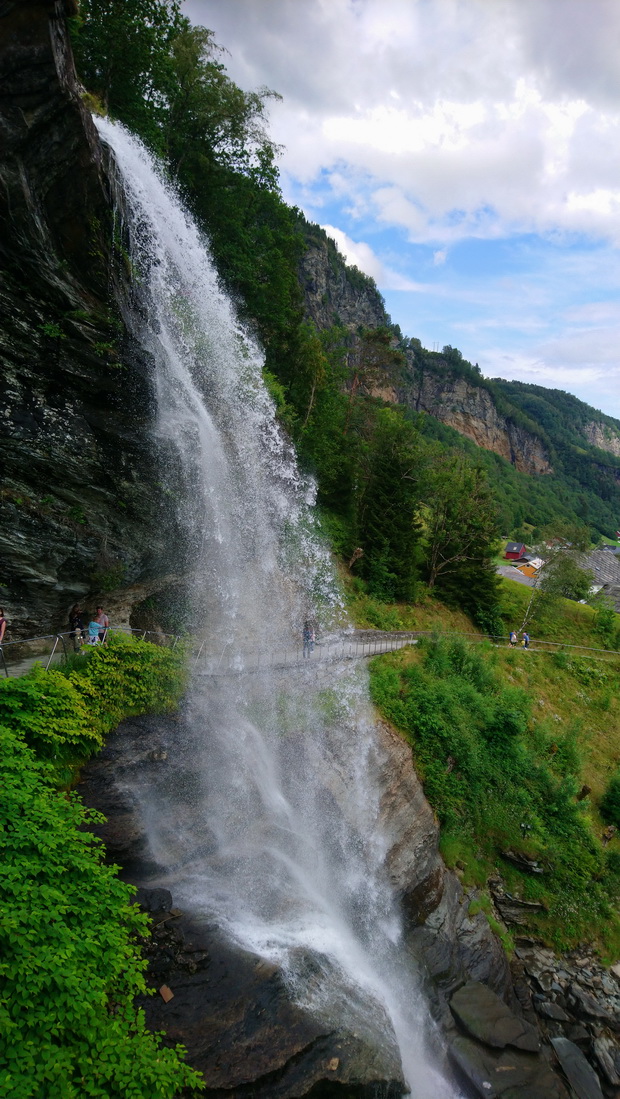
602 436
81 512
333 292
472 412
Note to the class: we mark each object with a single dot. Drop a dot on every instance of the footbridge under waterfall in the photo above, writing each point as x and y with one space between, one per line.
212 657
355 645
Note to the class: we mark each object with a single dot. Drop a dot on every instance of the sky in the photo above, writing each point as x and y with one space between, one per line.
466 154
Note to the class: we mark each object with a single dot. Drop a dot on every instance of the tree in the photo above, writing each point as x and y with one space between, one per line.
122 51
561 575
373 362
461 529
208 115
388 529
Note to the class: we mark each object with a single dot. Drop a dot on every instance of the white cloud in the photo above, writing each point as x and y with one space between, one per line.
359 254
478 105
432 128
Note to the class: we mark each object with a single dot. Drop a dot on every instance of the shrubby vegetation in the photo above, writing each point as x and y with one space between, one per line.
503 778
70 963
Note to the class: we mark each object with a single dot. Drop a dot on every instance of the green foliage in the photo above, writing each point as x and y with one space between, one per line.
388 529
461 532
122 51
66 714
70 964
497 780
52 331
610 802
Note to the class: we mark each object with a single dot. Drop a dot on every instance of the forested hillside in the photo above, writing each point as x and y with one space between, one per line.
406 498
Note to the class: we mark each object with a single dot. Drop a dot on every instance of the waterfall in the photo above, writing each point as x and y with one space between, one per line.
272 827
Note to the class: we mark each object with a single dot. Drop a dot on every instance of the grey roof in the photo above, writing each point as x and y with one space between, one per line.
606 569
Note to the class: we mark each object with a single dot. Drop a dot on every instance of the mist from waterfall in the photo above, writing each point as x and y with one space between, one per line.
273 827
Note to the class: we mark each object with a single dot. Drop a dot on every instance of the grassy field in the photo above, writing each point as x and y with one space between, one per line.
504 741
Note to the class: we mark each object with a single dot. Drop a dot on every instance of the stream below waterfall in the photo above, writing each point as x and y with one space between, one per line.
268 821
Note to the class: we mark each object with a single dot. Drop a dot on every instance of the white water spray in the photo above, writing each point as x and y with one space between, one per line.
276 829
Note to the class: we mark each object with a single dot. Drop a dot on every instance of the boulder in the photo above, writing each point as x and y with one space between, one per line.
549 1010
509 1073
481 1012
607 1053
579 1073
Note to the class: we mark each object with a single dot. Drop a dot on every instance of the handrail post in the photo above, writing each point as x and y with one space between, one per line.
64 647
52 654
4 664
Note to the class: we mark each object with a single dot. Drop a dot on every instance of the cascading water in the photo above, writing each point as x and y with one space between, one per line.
276 830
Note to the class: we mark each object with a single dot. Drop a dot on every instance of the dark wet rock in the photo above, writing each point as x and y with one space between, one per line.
413 861
81 508
586 1005
154 901
234 1013
579 1035
579 1073
511 1073
481 1012
512 910
455 946
232 1010
550 1010
606 1050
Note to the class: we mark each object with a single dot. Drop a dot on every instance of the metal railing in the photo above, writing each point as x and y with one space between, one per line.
60 644
359 644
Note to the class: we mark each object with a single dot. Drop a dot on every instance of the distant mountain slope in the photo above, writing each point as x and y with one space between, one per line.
553 455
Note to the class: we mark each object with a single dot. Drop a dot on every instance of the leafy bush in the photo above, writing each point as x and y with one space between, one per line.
68 933
498 782
64 714
71 966
610 802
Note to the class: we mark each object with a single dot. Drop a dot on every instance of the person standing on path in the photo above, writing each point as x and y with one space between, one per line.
308 638
513 639
526 640
76 626
104 623
2 624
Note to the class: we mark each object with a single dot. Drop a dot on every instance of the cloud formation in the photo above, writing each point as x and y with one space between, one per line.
434 133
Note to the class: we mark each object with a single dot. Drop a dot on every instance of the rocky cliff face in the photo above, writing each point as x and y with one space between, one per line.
334 293
80 507
603 436
471 411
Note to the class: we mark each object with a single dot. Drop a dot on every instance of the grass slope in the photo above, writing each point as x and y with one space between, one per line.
504 741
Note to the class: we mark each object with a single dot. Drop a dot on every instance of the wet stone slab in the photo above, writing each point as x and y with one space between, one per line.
486 1017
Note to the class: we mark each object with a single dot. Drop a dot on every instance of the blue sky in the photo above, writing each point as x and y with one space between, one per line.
466 154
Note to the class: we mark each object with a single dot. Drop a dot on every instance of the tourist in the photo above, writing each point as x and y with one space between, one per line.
76 626
94 628
308 638
2 624
513 639
104 623
526 640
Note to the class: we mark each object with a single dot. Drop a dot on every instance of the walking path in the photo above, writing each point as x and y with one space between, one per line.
19 657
